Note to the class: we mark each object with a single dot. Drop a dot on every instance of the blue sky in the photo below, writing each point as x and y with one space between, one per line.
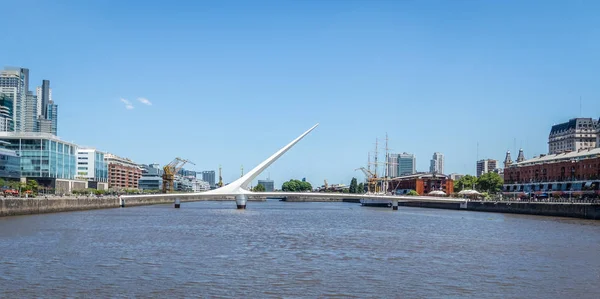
230 82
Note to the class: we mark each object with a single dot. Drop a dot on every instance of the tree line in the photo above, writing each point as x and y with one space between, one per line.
490 182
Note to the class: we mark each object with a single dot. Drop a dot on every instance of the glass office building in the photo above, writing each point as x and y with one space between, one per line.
10 164
42 155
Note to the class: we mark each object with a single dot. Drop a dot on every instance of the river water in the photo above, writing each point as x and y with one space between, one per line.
289 250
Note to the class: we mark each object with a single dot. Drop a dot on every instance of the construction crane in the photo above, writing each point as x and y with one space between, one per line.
372 180
373 184
170 170
220 183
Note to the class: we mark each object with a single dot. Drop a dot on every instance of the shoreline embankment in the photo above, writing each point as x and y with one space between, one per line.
13 206
571 210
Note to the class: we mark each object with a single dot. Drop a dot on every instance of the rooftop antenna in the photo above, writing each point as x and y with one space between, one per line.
580 108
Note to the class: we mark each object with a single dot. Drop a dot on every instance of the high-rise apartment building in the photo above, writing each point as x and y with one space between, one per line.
392 165
14 83
485 166
455 176
437 163
209 176
574 135
53 118
44 95
268 184
30 119
407 164
47 110
6 112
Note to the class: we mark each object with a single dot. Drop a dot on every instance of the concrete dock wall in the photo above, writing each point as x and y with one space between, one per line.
576 210
12 206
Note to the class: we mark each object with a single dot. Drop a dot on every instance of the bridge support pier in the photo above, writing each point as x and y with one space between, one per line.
395 205
240 201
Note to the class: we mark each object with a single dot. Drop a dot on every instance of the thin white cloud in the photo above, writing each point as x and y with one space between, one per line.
145 101
127 103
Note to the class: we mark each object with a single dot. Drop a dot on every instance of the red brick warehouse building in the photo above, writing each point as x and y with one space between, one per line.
422 183
566 171
122 173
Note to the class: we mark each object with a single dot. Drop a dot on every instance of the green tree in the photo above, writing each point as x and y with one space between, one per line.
353 185
32 185
465 183
305 186
2 183
296 186
360 189
13 184
412 193
490 182
259 188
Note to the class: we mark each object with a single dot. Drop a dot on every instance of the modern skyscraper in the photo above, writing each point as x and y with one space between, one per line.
30 112
437 163
392 165
47 110
6 112
30 119
209 176
407 164
44 98
53 117
485 166
14 83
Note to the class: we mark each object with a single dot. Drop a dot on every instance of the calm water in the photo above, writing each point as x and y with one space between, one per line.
278 249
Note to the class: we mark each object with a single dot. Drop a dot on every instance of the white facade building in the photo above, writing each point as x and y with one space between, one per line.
91 165
574 135
437 163
485 166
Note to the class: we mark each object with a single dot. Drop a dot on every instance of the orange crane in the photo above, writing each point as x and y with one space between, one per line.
170 170
372 180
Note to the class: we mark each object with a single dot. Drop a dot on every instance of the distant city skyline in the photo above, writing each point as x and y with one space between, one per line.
228 85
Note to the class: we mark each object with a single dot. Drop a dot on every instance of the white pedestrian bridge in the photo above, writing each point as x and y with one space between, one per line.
238 189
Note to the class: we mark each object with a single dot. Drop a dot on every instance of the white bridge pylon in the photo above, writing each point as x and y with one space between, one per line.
239 187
